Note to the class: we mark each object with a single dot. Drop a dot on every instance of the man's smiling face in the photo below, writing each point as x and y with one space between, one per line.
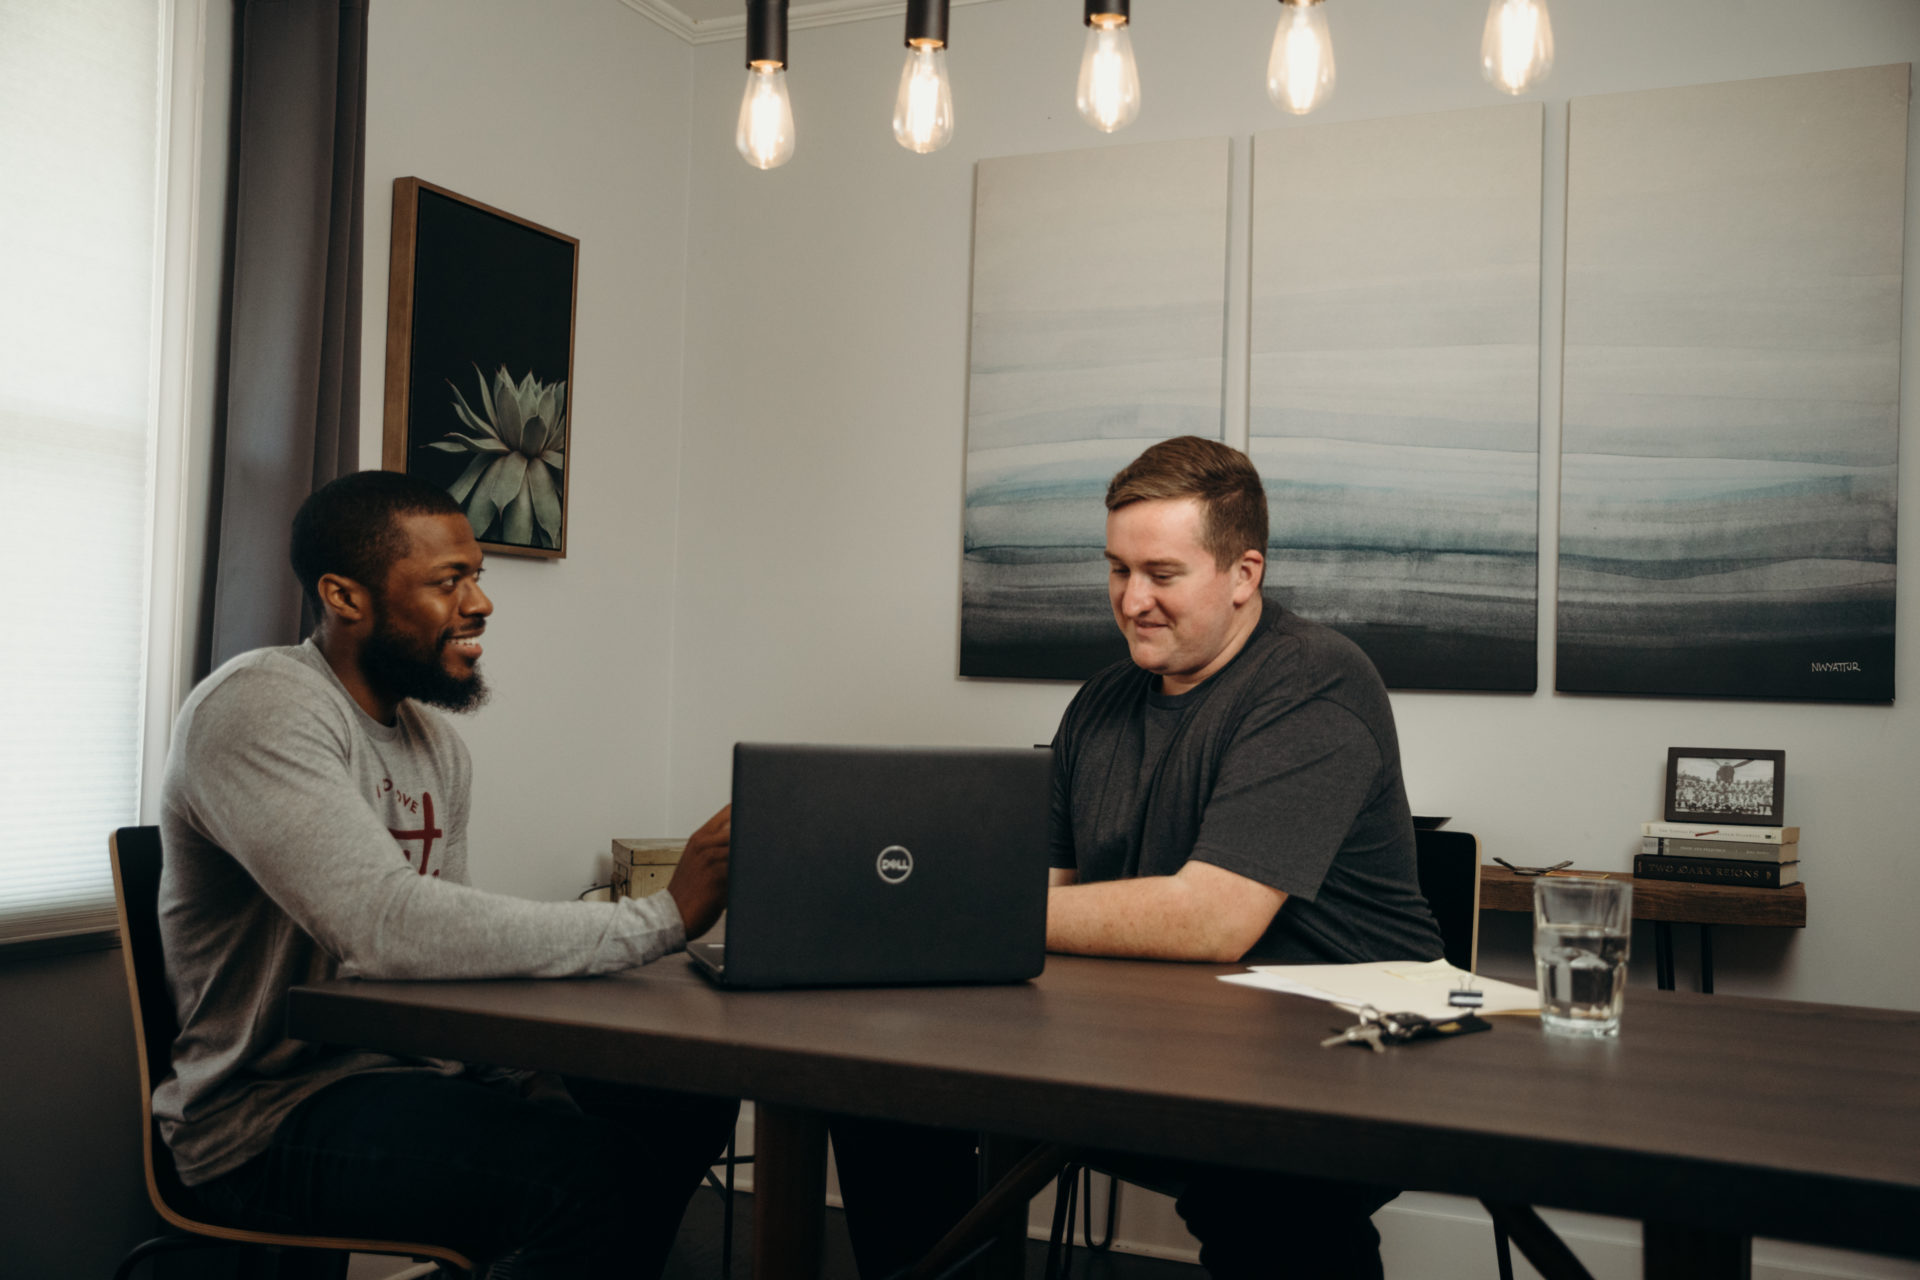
428 616
1184 616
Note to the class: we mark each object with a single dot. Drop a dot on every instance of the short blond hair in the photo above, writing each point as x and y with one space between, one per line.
1233 502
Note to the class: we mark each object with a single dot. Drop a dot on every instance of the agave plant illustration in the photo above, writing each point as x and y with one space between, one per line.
507 490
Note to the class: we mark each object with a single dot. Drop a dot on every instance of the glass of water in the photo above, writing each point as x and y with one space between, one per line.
1581 927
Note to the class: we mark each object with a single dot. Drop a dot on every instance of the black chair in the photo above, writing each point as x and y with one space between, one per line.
135 854
1449 871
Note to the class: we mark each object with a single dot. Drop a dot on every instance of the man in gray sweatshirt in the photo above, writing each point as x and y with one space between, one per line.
314 825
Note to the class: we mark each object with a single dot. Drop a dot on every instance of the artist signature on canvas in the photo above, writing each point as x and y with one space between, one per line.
1819 667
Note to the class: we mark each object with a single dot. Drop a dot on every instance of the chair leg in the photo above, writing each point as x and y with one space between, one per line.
1538 1244
1113 1210
974 1233
726 1219
158 1245
1060 1238
1501 1252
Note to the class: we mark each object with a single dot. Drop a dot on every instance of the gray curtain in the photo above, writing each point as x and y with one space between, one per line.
291 420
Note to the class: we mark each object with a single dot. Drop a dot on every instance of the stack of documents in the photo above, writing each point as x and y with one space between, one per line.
1391 986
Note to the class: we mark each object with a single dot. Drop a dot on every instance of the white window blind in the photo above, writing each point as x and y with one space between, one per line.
80 151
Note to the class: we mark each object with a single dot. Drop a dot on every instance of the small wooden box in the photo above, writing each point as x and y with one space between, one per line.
642 867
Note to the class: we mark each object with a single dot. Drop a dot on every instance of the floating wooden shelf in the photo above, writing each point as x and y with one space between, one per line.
1675 901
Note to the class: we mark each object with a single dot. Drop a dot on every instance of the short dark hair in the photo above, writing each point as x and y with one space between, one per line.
350 526
1233 502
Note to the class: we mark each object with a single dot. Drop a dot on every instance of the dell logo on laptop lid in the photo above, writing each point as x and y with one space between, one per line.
894 864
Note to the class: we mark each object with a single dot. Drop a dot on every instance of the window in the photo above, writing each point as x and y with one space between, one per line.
81 128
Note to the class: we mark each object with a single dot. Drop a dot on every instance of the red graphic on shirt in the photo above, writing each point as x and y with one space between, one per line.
426 834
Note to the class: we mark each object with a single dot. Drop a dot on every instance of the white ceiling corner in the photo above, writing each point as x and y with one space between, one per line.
709 21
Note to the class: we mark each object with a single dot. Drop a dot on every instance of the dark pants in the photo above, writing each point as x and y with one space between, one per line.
1251 1223
906 1185
430 1159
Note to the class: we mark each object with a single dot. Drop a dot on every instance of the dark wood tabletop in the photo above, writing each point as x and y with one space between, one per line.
1677 901
1789 1120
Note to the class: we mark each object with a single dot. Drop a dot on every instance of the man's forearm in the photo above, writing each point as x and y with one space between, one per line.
1178 917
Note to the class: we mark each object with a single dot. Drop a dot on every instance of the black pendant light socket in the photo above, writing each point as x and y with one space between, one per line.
1116 7
927 20
767 31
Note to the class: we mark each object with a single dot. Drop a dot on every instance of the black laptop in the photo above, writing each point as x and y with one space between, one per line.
868 866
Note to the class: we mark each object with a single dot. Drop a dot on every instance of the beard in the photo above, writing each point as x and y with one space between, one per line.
403 667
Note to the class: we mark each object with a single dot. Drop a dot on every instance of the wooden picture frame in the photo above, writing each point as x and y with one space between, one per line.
1744 788
480 325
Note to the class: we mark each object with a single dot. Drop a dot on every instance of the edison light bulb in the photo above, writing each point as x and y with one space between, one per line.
1300 72
923 111
1109 95
765 135
1517 48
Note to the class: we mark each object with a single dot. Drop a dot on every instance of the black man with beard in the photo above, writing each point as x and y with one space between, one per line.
314 825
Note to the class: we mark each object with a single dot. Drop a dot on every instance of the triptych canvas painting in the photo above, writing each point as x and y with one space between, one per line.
1099 327
1730 389
1395 399
1732 402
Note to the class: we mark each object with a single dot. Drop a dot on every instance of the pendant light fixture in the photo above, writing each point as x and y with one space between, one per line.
1300 72
1516 52
1517 49
923 109
1109 92
765 132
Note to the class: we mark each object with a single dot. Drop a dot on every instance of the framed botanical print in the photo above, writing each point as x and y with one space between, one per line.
480 314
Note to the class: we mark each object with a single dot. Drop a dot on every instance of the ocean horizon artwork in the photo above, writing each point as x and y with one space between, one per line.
1732 388
1099 328
1395 387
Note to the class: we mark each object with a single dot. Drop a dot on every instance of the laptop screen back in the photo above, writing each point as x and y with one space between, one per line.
870 865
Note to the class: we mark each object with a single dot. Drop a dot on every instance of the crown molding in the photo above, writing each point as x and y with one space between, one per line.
809 13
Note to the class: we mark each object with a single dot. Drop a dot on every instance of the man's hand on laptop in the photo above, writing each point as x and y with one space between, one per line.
699 884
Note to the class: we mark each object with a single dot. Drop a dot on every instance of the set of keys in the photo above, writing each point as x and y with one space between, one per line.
1377 1030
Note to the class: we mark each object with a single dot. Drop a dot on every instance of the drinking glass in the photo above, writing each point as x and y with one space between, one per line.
1581 928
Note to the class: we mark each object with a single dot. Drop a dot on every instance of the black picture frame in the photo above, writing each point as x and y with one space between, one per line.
1705 784
480 327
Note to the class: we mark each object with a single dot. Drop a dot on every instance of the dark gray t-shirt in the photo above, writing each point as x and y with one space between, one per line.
1283 768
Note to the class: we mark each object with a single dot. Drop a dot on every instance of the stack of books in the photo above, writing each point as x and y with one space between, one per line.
1763 857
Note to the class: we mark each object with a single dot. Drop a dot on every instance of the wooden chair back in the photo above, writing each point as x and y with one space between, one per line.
135 855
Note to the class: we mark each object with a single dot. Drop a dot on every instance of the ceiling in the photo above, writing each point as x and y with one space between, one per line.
707 21
707 10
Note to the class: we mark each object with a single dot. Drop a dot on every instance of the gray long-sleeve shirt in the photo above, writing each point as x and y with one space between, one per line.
303 840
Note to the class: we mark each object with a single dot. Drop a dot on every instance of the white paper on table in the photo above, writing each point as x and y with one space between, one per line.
1391 986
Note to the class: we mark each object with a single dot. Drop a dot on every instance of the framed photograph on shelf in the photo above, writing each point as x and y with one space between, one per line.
480 310
1719 784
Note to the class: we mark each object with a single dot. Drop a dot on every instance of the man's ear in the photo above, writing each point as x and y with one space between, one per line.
344 598
1248 571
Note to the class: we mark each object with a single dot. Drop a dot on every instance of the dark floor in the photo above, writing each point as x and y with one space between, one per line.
696 1253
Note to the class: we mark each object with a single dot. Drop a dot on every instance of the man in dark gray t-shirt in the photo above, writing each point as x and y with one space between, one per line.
1231 792
1281 769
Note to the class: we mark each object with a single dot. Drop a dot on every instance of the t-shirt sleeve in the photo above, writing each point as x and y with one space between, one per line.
266 777
1060 811
1294 779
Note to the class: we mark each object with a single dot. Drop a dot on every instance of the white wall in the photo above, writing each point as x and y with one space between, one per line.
826 408
572 113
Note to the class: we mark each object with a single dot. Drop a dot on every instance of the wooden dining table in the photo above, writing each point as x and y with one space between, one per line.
1710 1119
